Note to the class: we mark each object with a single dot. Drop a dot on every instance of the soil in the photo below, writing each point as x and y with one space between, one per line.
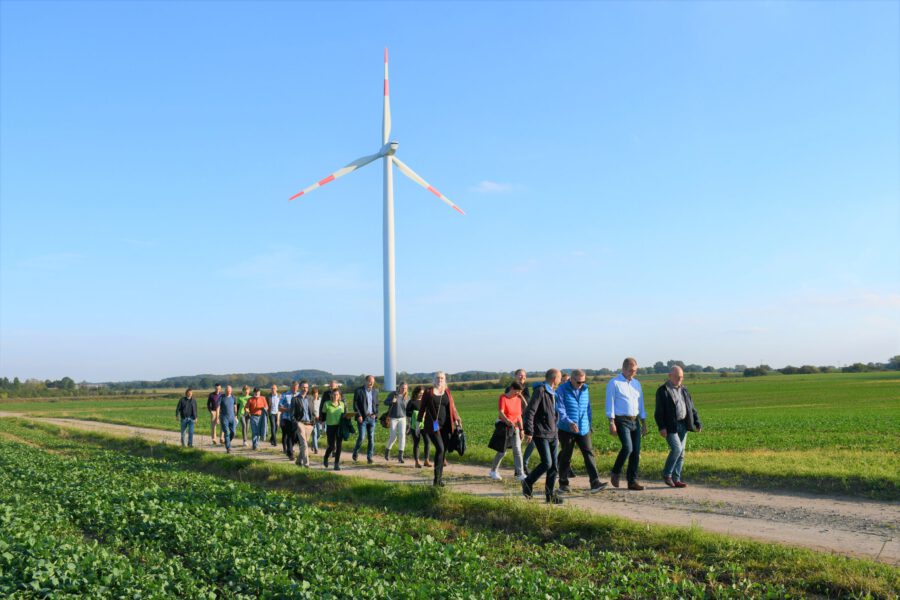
839 525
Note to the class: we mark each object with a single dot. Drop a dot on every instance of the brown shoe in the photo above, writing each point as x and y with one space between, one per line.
680 484
614 479
634 485
669 482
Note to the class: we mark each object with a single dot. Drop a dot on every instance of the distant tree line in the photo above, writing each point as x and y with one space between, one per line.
66 386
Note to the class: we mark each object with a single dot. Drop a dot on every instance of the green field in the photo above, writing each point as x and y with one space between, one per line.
87 515
837 433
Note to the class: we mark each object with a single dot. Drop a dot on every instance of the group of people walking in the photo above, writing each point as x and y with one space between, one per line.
551 417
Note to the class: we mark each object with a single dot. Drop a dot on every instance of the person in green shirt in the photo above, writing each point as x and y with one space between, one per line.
241 413
334 411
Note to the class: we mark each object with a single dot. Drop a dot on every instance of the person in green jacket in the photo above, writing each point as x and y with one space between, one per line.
334 411
240 412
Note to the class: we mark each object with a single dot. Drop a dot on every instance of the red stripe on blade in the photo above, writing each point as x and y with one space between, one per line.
297 195
434 191
328 179
458 209
385 87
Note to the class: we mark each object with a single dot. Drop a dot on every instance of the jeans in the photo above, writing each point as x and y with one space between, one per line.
677 441
304 431
630 437
257 429
517 454
187 425
317 429
366 430
547 448
335 442
527 455
398 433
228 432
567 442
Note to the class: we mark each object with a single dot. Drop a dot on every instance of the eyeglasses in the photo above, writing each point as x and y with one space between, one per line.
577 382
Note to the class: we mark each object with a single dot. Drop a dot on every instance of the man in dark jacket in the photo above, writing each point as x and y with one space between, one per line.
540 426
365 403
186 411
675 415
212 405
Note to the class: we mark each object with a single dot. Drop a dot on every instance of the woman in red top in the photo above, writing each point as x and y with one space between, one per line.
510 423
256 407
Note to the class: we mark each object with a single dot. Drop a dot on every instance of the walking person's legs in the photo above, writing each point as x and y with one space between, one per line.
517 453
587 452
635 458
624 429
438 441
566 446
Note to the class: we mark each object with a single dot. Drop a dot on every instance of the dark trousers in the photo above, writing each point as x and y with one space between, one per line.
273 422
630 437
547 450
437 439
287 437
567 442
335 442
419 437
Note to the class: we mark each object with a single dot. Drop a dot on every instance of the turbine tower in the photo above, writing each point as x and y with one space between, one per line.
387 153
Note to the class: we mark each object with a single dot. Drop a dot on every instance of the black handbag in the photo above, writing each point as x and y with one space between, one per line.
499 439
457 442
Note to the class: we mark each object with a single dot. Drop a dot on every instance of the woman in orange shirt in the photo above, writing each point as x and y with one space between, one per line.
509 431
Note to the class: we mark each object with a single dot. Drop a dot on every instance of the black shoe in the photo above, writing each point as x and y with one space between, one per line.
355 457
599 487
400 457
526 489
564 489
326 463
337 467
614 479
553 499
387 454
369 460
439 483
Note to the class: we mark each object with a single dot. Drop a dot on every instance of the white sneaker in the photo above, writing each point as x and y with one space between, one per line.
495 475
521 477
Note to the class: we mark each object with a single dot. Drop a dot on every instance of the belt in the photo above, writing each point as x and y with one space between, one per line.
627 418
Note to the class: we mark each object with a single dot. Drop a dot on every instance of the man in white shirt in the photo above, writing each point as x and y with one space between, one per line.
624 407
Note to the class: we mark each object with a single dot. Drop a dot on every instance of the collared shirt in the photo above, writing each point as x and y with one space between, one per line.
678 395
624 398
212 401
370 401
286 403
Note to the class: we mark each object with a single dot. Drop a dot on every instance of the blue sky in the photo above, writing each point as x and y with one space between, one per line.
713 182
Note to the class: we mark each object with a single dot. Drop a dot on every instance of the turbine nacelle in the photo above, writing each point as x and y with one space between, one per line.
389 149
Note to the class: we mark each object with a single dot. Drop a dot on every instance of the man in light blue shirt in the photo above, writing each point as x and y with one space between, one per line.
573 405
624 406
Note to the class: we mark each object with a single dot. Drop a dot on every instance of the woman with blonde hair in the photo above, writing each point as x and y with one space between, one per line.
440 419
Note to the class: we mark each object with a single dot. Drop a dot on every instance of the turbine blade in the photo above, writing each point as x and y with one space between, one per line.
386 117
356 164
412 175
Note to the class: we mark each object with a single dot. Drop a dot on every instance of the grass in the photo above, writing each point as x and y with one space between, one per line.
827 433
586 552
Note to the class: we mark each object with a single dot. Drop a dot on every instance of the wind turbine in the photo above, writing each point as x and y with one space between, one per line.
388 154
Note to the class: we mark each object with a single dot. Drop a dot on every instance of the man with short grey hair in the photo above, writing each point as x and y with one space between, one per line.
575 417
675 415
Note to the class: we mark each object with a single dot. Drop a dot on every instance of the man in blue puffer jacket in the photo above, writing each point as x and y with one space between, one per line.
573 405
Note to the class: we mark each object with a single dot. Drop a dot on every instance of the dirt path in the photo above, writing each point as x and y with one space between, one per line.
840 525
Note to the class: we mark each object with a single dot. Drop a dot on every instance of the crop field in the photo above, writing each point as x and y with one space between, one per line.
837 433
85 515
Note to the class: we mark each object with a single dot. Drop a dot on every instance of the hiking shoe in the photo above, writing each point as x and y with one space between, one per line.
599 487
553 499
635 486
668 481
494 475
526 489
614 479
680 484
